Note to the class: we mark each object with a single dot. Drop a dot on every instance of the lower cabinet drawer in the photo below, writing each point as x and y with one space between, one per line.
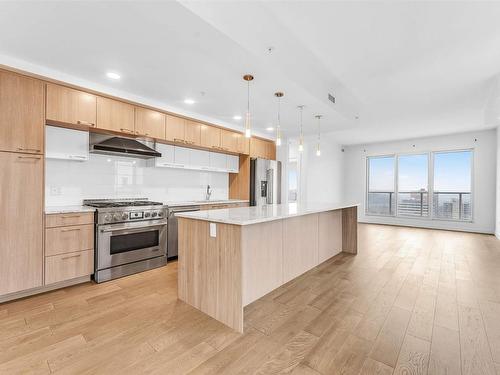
68 266
70 218
64 240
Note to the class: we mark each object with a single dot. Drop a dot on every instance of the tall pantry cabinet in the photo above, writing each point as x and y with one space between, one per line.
22 113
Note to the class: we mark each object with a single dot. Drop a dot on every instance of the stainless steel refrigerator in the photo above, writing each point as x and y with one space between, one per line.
265 182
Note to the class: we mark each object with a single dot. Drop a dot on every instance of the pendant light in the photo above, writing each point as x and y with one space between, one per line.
301 139
279 95
318 147
248 126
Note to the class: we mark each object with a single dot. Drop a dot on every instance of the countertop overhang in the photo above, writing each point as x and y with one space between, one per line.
261 214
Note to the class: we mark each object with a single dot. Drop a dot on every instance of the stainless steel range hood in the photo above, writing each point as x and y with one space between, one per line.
122 146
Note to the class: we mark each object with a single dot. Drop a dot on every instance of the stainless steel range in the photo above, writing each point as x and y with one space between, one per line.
130 236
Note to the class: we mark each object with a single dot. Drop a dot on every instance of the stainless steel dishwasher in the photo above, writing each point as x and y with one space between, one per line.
172 232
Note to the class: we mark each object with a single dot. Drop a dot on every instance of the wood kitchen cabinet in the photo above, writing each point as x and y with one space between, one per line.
192 133
260 148
65 105
21 201
229 140
175 129
149 123
115 115
210 136
69 246
243 144
21 113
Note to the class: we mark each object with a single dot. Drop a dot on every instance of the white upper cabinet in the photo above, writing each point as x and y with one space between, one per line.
199 159
233 163
189 158
218 162
167 155
181 156
69 144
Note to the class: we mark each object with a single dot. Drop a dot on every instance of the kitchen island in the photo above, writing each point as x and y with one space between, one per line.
229 258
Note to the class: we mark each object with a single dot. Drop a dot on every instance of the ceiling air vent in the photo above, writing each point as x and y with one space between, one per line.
331 98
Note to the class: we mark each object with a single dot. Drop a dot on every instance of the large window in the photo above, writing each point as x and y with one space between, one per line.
452 185
434 185
381 187
413 185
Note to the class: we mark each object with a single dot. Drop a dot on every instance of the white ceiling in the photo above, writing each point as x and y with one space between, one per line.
407 69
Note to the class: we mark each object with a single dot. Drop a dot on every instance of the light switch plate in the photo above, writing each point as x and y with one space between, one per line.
213 230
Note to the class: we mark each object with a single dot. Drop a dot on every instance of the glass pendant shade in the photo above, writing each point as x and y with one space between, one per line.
248 125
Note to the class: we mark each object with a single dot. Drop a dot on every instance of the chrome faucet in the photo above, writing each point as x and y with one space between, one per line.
209 193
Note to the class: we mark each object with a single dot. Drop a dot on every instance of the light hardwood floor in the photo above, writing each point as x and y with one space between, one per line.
412 301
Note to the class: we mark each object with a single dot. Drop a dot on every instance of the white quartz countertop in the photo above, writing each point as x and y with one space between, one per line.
202 203
261 214
67 209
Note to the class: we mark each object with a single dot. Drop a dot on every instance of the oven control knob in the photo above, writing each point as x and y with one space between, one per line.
160 214
116 217
147 214
124 216
108 217
154 214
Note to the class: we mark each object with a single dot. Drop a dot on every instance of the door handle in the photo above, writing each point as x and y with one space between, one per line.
71 230
80 122
30 157
72 256
28 149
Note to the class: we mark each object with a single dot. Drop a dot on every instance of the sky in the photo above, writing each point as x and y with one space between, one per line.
452 172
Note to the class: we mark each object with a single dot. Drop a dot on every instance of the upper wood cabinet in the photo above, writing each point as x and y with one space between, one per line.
149 123
229 140
21 113
243 144
210 136
175 129
271 150
21 197
115 115
70 106
192 133
260 148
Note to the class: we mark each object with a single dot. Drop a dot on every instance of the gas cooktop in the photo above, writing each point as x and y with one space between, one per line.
110 203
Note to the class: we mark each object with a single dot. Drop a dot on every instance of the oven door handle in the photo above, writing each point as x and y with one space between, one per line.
126 230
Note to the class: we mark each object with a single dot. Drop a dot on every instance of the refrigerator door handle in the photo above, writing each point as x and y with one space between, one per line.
270 186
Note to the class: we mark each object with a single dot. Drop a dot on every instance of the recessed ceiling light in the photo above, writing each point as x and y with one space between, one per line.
113 75
189 101
236 117
270 129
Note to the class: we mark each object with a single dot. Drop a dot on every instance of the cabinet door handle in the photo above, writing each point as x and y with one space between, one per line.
30 157
69 216
127 130
72 256
80 122
71 230
28 149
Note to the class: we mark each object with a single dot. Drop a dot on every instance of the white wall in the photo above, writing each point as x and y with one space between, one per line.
320 177
497 221
69 182
484 144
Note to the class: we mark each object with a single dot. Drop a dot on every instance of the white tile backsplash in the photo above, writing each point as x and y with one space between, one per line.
69 182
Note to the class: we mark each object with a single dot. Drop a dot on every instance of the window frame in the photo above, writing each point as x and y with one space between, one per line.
430 183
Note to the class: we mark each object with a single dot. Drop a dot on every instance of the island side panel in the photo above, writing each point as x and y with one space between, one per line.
300 245
209 270
350 230
262 255
329 234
